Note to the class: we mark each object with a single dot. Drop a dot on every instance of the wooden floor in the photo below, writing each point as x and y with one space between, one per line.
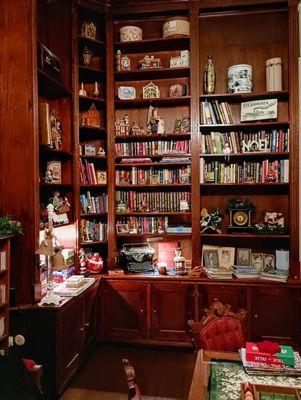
162 374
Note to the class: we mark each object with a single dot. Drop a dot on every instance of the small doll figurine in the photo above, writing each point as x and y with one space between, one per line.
56 131
155 124
82 261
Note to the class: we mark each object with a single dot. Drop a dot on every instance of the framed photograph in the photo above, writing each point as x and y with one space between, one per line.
226 256
243 257
126 93
122 228
101 177
211 258
257 261
268 262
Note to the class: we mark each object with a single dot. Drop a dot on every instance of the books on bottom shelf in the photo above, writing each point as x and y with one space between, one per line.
63 290
218 273
275 275
261 368
245 272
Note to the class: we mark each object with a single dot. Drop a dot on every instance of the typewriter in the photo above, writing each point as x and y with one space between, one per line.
136 258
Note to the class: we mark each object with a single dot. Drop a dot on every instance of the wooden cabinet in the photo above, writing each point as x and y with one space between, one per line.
124 309
152 311
171 307
59 338
275 314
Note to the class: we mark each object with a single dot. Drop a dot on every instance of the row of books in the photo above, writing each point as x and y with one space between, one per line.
213 112
153 176
93 204
249 272
244 142
92 231
135 225
155 201
246 172
152 148
3 257
89 175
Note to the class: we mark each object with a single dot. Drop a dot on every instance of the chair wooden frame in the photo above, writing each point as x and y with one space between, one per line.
216 310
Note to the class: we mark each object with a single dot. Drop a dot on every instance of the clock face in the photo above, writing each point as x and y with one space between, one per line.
240 218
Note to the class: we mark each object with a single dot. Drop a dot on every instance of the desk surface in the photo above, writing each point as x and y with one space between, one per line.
228 373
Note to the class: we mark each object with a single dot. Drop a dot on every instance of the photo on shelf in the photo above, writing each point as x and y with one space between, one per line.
243 257
211 258
226 256
268 262
122 228
257 261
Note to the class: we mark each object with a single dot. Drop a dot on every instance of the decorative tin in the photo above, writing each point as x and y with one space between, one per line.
273 74
176 27
126 93
130 34
240 78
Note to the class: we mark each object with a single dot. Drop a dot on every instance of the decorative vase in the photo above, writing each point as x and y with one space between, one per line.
87 56
240 78
273 74
209 76
96 92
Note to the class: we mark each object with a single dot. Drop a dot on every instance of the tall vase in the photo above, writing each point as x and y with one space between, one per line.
209 76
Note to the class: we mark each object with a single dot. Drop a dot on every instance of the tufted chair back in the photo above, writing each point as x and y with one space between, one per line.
219 330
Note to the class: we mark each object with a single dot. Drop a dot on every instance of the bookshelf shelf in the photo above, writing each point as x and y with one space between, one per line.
151 45
93 72
239 97
251 154
166 236
168 185
156 156
93 185
152 164
50 88
93 243
243 235
263 124
55 185
147 138
99 214
94 157
154 213
161 102
87 99
155 73
94 43
92 128
246 184
56 153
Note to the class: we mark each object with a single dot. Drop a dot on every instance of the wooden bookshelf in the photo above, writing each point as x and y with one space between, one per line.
4 292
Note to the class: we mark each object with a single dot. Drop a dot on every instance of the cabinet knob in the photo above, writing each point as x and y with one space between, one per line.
255 316
154 310
142 311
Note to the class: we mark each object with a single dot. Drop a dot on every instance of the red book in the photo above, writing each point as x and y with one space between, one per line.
255 355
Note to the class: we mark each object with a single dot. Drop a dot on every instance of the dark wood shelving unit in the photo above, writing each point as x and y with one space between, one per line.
55 153
154 213
157 156
159 185
98 214
250 154
88 100
94 157
92 128
152 164
94 43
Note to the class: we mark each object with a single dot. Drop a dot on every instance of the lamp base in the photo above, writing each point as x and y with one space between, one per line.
50 298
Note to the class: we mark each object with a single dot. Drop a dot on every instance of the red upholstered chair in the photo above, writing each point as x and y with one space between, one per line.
219 330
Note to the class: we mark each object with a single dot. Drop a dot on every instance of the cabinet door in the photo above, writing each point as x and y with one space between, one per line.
90 318
171 308
124 309
70 336
275 314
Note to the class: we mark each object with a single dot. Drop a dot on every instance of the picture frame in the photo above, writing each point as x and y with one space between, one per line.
122 228
243 257
226 256
257 261
210 257
101 177
126 93
268 263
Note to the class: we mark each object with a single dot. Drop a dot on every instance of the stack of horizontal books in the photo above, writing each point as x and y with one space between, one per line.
286 362
276 275
218 273
245 272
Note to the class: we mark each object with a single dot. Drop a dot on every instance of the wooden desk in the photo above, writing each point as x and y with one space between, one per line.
201 375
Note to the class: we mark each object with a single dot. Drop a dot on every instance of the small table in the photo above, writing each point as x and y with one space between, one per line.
228 368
